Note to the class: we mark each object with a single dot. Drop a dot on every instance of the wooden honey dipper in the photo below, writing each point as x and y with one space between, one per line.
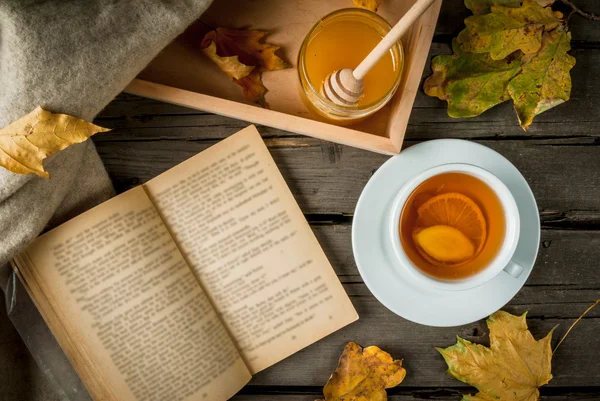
345 87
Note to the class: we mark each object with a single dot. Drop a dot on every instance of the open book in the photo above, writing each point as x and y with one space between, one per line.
182 288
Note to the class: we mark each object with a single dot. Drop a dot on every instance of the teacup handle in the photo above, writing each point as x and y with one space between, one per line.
513 269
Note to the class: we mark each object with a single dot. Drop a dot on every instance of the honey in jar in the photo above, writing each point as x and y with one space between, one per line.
342 40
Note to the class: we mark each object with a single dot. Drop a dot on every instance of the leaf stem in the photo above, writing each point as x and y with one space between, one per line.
574 323
577 10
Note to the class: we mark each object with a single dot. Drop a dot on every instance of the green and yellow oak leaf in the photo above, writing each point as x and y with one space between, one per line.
471 83
545 81
26 142
512 368
506 30
479 7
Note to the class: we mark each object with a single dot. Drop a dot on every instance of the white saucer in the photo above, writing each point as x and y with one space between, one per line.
391 283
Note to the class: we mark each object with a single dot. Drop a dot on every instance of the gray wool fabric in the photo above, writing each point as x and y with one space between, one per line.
73 57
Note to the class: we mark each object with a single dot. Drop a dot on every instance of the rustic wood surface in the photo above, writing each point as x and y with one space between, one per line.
559 156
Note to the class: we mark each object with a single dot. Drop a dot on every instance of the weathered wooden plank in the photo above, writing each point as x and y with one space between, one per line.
403 339
560 286
559 290
558 278
420 395
328 178
143 119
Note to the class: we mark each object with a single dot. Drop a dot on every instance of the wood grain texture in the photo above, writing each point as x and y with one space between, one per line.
445 394
327 178
414 343
144 119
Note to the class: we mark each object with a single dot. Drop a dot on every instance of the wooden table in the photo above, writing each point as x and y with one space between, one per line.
559 156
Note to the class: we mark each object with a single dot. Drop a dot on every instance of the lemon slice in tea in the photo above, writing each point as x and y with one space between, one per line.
457 211
445 244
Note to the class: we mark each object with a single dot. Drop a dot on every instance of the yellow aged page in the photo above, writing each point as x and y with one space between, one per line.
240 229
128 310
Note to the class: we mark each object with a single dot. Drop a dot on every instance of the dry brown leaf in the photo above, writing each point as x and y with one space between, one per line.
372 5
229 65
25 143
246 44
253 88
242 56
363 374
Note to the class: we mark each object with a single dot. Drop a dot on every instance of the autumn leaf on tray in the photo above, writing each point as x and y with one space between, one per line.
471 83
372 5
241 55
363 374
25 143
545 81
506 30
512 368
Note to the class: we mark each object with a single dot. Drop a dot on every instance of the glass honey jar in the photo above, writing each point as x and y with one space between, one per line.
342 39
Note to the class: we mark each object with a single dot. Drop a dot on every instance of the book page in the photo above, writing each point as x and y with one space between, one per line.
128 311
240 229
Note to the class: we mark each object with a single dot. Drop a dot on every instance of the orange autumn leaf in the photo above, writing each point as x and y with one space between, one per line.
253 87
241 55
363 374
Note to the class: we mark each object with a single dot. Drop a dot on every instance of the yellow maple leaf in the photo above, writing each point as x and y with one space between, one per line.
240 54
363 374
512 368
372 5
25 143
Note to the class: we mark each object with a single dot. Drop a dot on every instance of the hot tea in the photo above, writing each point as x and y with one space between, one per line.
452 226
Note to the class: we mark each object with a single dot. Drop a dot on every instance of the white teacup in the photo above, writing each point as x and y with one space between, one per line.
503 259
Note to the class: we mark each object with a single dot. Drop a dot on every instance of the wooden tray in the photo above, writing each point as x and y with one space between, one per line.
182 75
